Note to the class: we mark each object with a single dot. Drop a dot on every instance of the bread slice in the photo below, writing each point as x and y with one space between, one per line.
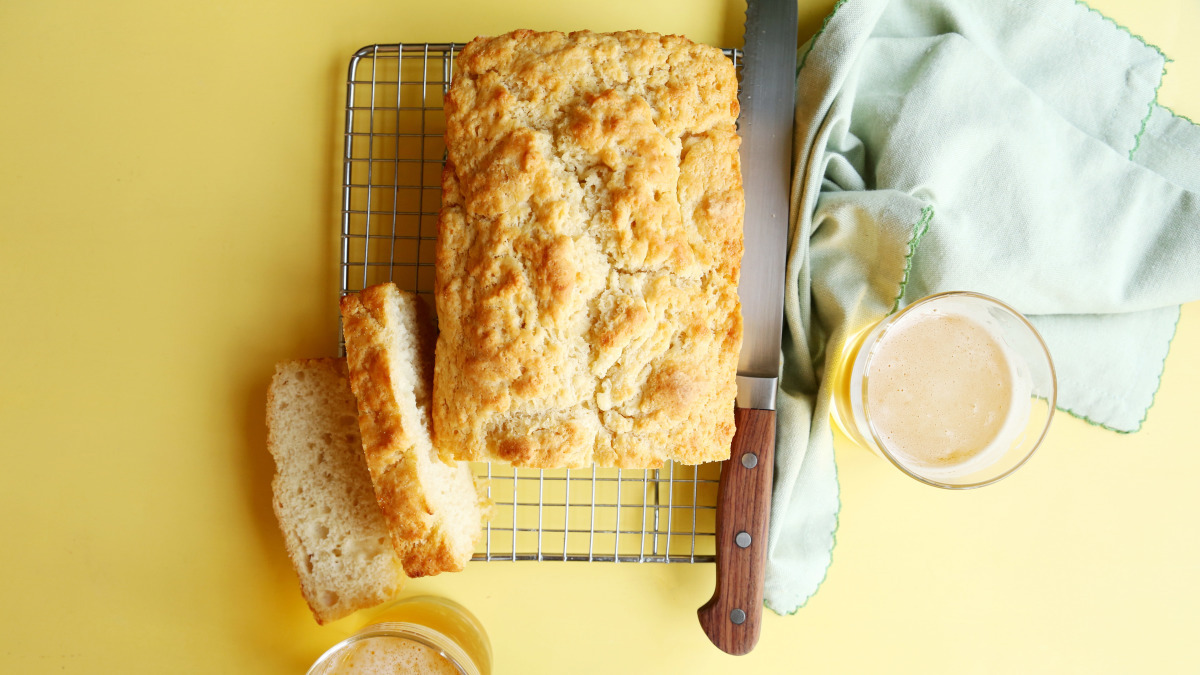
433 509
335 534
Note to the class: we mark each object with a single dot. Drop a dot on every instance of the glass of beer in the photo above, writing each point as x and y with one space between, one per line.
422 635
956 390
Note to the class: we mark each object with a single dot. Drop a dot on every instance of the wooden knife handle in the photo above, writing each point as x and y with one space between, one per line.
733 617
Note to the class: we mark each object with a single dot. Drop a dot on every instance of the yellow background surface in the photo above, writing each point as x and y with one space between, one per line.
168 215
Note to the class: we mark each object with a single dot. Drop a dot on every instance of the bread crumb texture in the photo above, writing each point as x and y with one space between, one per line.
588 252
336 536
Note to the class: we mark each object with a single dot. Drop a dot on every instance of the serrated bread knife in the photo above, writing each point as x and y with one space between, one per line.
732 617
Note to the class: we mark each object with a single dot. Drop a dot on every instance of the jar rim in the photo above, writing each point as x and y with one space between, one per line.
1052 397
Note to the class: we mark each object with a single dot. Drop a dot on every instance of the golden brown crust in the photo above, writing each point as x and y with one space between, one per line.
588 252
392 439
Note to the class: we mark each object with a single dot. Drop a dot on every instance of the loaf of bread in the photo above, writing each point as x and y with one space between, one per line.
433 508
334 532
588 252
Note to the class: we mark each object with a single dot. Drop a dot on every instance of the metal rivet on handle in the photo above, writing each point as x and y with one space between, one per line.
737 616
742 539
749 460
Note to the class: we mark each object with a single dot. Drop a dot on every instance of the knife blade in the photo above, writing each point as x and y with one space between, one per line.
732 618
767 98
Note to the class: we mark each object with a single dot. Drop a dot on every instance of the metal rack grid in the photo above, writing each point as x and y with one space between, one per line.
391 194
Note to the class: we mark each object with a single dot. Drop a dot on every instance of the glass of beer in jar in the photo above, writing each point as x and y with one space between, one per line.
956 390
423 635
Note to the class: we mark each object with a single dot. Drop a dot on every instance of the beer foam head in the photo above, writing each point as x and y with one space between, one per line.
944 394
393 656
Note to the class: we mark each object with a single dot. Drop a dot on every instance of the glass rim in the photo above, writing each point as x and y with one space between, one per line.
1052 398
442 644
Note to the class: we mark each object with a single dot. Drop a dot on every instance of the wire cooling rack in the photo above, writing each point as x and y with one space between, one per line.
391 194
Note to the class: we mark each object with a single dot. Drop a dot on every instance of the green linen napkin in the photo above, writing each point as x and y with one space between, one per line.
1008 147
